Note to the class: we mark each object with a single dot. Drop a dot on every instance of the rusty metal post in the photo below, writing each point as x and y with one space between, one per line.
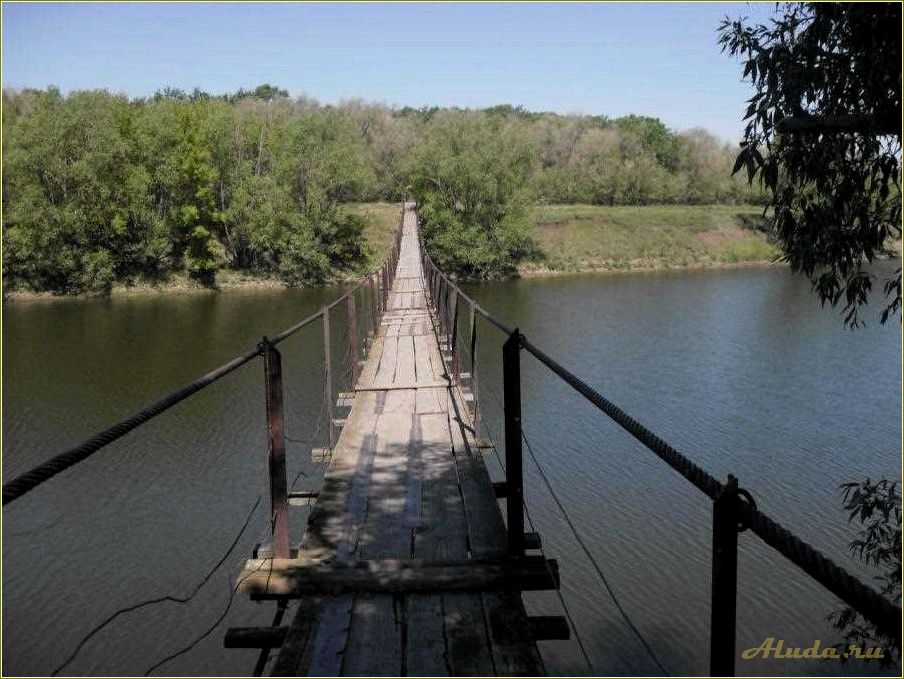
514 474
441 308
473 326
453 337
374 307
726 512
328 376
352 321
276 450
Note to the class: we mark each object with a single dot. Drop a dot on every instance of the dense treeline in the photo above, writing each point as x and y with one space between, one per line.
99 189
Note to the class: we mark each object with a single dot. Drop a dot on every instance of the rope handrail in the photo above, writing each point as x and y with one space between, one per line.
29 480
876 608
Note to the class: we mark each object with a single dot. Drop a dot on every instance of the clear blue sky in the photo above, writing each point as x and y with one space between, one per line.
611 58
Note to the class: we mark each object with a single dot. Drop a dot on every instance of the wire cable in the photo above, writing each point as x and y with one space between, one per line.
210 630
596 566
580 542
530 522
175 599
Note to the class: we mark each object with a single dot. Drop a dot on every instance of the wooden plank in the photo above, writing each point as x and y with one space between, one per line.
405 364
402 387
422 366
294 653
388 360
426 652
255 637
397 575
369 369
514 652
444 536
549 627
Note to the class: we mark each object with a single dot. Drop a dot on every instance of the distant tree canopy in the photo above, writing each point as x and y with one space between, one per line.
100 189
824 137
470 177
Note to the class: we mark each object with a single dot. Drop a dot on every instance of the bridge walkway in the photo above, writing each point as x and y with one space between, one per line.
402 569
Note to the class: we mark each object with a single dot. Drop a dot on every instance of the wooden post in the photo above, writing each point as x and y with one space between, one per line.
328 376
276 450
514 479
724 581
352 338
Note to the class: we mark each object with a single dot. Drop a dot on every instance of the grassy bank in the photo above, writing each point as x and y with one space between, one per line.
573 238
382 223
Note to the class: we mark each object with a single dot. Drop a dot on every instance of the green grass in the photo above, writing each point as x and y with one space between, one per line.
585 237
382 224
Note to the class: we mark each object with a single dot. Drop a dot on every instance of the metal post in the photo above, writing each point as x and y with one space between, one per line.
352 321
374 306
441 307
514 479
724 581
276 450
453 337
328 376
473 326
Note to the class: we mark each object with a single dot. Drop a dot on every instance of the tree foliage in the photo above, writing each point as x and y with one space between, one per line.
824 138
470 177
100 189
877 507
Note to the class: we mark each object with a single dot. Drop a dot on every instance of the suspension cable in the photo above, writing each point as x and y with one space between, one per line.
582 544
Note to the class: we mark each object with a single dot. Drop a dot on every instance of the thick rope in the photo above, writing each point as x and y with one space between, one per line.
859 596
701 479
22 484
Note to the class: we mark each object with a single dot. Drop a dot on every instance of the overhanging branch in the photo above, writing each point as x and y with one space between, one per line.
828 124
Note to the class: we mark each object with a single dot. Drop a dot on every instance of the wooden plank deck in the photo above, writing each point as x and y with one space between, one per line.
405 485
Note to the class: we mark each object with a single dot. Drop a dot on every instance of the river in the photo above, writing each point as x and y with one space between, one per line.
740 369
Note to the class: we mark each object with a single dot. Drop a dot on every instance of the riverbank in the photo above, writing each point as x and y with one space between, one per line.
569 239
594 238
382 221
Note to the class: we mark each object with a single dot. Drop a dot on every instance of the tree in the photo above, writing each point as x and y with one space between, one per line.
655 137
823 135
470 174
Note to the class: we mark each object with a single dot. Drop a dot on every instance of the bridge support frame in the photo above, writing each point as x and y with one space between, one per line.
352 320
514 473
328 378
726 516
276 449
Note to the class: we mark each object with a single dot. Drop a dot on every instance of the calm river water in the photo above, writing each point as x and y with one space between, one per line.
739 369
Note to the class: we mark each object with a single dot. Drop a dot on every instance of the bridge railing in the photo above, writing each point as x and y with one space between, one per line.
734 508
360 309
